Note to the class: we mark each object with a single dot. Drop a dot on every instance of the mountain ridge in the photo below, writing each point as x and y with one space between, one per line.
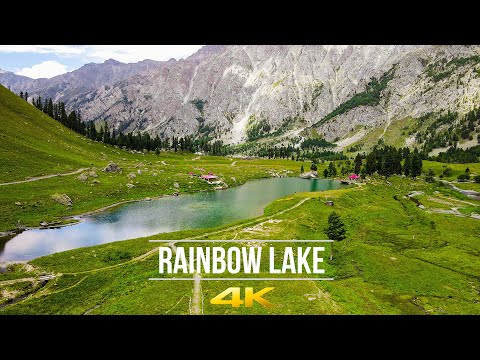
282 91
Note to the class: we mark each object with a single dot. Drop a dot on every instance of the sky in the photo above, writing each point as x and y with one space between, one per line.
46 61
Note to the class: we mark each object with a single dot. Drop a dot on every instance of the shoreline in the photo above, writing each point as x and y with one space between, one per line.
82 217
79 217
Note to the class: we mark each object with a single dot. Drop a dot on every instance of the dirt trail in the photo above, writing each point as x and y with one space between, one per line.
196 306
14 281
43 177
196 303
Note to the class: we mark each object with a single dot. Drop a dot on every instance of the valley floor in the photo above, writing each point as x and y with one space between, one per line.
402 255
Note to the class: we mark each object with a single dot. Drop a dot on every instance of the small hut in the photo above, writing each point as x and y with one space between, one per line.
209 177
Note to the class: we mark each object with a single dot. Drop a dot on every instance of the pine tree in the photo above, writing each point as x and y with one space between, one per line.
175 143
332 170
430 176
335 230
50 108
325 173
358 163
26 96
371 164
21 94
417 164
407 166
301 170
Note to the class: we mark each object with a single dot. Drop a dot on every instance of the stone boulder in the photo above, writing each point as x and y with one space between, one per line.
131 176
130 186
82 177
112 167
62 199
309 175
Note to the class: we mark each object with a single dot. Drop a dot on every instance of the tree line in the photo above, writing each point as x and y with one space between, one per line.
458 155
387 161
139 141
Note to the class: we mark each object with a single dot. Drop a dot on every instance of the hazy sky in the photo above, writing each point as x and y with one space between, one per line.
38 61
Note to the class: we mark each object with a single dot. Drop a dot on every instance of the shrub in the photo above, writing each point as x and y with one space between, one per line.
447 172
430 174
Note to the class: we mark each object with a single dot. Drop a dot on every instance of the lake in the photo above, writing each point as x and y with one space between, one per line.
145 218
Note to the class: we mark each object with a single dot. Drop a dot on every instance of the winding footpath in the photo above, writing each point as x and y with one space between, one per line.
44 177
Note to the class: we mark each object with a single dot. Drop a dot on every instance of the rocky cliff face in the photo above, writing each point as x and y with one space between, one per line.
233 92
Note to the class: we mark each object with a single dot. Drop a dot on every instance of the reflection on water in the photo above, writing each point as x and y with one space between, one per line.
145 218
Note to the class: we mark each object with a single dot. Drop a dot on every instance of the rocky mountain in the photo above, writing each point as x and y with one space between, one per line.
239 93
89 77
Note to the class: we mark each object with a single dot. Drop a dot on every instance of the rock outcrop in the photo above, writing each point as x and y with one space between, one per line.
63 199
112 168
309 175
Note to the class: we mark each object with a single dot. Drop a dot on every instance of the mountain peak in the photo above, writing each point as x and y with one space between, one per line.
112 62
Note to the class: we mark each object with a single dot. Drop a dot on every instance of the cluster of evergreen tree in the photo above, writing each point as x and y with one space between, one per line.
316 143
437 135
458 155
331 171
57 111
138 141
274 152
23 96
325 155
387 161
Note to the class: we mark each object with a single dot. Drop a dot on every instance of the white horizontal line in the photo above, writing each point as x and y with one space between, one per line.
240 279
228 240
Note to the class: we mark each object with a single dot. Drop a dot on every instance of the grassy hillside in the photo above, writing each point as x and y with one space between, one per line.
33 144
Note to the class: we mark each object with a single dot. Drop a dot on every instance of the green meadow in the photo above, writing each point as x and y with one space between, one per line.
411 247
397 259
